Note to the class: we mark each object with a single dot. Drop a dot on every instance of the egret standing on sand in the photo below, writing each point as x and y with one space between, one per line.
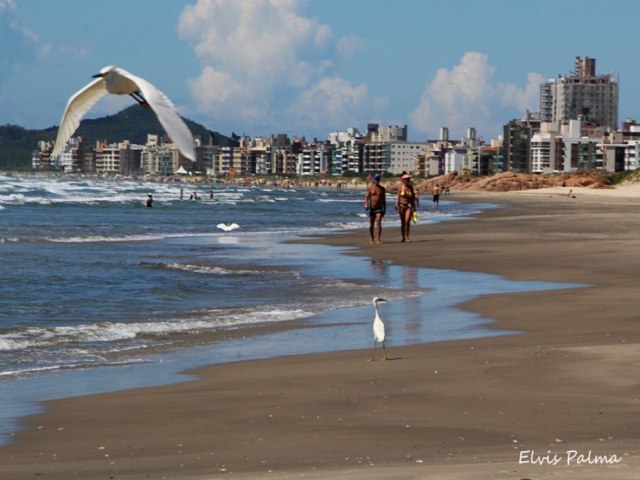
115 80
378 330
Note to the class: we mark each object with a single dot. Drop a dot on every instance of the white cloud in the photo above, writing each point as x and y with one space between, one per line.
526 99
349 45
7 4
20 42
332 101
216 90
323 35
467 96
258 42
257 55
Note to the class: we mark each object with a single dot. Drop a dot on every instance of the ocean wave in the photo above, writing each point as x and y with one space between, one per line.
202 269
13 198
48 191
128 238
24 371
346 225
198 321
38 337
339 200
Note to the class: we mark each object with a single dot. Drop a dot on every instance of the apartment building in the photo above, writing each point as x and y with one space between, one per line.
403 156
581 94
348 151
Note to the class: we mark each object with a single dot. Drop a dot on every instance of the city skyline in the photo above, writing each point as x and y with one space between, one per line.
308 68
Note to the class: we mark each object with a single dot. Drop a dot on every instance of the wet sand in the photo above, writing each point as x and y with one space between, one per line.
559 401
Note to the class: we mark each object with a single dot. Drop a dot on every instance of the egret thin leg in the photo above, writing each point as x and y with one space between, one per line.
140 99
373 353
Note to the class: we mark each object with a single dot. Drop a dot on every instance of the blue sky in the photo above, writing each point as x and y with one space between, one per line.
310 67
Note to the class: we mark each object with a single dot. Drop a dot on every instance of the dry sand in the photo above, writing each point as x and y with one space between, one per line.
474 409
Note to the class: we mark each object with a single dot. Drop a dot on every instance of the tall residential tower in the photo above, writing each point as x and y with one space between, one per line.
581 94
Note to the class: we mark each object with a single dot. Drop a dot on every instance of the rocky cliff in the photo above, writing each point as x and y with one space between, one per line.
511 181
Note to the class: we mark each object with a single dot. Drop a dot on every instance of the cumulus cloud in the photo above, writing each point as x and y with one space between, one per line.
252 45
255 50
349 45
18 43
467 96
524 99
7 4
331 100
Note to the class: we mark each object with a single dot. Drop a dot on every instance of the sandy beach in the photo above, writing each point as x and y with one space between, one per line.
560 400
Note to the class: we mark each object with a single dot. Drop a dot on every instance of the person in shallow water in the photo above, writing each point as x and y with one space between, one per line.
149 200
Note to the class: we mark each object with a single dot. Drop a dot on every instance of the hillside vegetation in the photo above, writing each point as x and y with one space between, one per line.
132 123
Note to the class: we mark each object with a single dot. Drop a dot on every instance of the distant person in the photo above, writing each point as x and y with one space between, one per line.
375 201
181 194
210 194
406 204
149 200
437 190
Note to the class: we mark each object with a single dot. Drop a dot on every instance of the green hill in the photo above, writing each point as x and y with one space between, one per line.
133 124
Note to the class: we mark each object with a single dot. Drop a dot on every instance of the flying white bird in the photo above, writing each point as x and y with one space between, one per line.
227 227
378 330
115 80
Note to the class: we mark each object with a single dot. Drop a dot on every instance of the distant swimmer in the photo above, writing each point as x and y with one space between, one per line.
227 227
149 200
437 190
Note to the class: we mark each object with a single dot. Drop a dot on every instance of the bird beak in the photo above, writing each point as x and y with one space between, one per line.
97 75
381 300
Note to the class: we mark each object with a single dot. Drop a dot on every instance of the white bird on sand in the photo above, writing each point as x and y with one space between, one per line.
378 330
118 81
227 227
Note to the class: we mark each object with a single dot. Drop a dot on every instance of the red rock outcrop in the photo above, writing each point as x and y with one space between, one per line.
511 181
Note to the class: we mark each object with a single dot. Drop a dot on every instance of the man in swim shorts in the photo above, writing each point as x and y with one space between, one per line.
376 202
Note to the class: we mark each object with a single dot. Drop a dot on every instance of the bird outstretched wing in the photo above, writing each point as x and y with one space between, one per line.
79 104
167 115
227 227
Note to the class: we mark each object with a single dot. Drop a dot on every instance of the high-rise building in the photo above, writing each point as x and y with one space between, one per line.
517 137
582 94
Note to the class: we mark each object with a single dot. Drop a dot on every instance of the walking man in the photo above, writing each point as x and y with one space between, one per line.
376 202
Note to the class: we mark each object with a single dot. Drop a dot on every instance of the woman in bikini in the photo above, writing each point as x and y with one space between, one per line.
406 204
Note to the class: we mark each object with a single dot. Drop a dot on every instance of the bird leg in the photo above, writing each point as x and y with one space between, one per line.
140 99
373 353
384 352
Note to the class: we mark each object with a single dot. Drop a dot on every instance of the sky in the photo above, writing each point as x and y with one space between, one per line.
311 67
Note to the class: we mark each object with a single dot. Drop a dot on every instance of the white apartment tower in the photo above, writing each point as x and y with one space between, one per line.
581 94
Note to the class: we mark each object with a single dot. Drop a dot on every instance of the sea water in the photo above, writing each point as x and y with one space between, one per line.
100 293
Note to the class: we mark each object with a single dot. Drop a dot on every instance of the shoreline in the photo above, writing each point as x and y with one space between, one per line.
457 408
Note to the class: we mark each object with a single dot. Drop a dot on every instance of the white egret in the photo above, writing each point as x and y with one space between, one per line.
378 330
118 81
227 227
